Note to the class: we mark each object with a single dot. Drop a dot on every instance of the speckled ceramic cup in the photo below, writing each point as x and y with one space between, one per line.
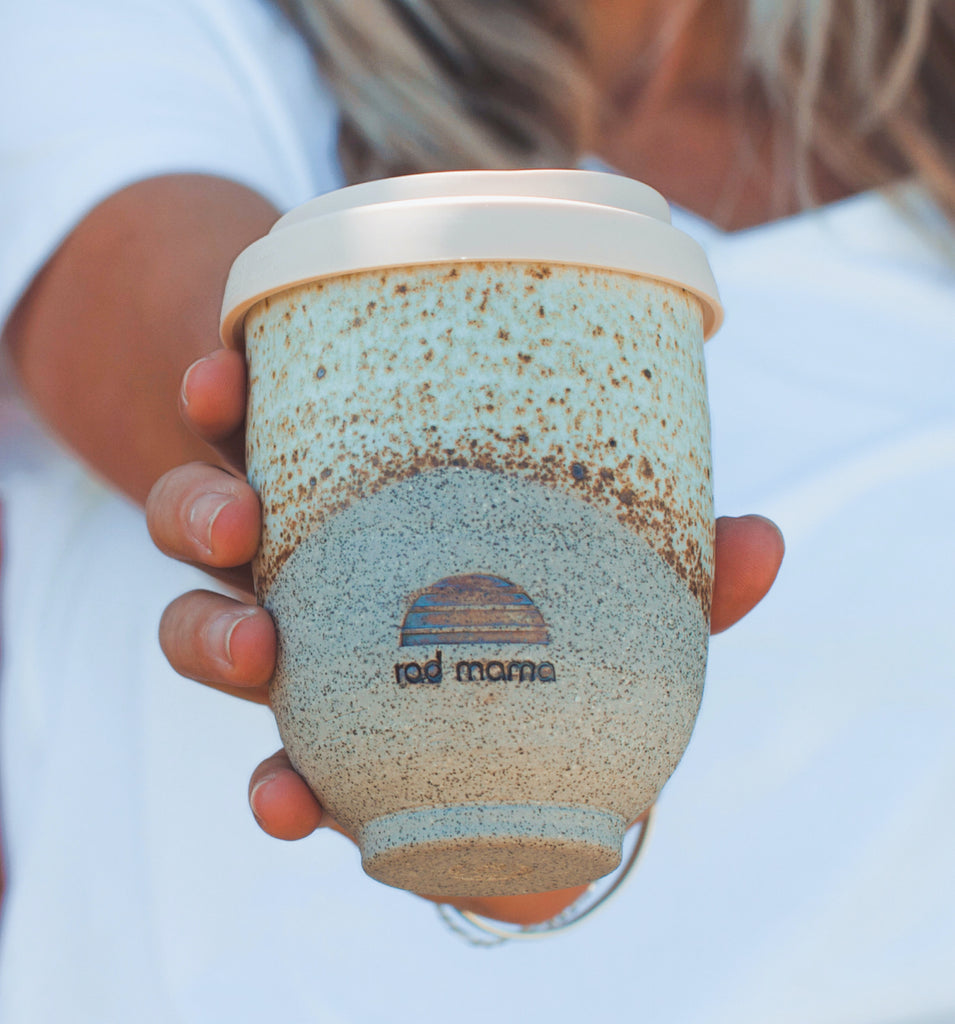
478 427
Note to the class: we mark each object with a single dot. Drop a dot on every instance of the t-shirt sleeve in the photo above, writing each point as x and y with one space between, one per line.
104 93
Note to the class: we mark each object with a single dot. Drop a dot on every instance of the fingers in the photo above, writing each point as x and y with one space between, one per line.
203 515
212 403
749 551
281 801
220 642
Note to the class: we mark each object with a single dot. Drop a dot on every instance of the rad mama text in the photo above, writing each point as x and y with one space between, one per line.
475 671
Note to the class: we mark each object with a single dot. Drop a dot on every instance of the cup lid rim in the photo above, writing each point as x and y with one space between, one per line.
600 187
568 217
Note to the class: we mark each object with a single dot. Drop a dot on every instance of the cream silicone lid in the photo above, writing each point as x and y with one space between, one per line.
578 218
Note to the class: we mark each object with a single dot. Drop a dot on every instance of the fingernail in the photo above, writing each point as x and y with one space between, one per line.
219 631
767 521
203 514
255 793
184 386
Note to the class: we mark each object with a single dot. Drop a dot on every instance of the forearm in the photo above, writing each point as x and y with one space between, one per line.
130 299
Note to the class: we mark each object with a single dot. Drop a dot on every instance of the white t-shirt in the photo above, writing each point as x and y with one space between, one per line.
800 869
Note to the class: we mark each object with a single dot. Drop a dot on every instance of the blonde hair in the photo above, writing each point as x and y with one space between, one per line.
427 85
864 87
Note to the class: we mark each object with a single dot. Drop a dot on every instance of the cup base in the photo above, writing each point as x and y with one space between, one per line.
491 849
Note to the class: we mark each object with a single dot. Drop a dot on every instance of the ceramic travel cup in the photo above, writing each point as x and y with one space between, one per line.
478 427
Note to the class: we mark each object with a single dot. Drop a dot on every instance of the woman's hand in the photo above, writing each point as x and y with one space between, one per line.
210 517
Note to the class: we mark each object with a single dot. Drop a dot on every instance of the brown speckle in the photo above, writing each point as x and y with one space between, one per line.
635 491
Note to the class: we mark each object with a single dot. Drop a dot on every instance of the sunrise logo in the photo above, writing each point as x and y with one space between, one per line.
473 609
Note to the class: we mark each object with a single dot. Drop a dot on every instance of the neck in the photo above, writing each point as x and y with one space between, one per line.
676 114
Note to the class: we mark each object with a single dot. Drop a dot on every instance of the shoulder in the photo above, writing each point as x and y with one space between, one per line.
110 92
184 83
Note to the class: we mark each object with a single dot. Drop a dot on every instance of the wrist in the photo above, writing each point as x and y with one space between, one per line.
529 909
490 921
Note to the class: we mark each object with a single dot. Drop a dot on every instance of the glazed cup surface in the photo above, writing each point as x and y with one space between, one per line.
487 547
